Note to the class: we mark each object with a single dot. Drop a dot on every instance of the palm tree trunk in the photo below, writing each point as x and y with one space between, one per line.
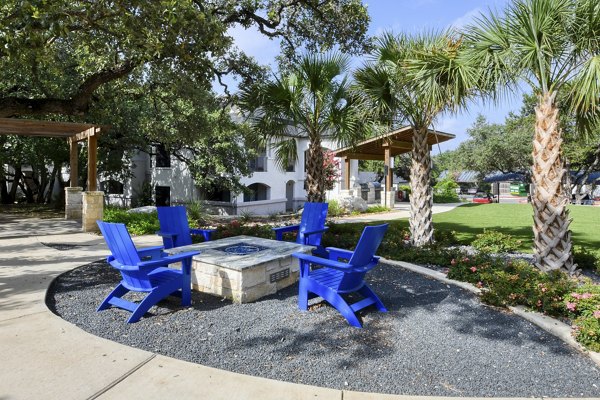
421 200
552 237
315 179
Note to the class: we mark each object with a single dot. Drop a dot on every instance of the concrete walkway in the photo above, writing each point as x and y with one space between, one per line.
401 210
44 357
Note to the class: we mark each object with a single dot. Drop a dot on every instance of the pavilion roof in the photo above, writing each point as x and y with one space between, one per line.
399 142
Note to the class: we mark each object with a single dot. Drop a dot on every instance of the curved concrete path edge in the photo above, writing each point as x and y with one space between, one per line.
44 356
549 324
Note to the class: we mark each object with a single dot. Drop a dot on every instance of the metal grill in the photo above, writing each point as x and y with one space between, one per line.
279 275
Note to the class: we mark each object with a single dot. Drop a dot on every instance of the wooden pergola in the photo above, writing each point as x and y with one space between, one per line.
72 132
385 148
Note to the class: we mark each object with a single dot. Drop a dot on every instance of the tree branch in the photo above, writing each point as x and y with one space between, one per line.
78 104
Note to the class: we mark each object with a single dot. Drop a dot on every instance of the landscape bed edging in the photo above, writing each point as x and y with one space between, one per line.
551 325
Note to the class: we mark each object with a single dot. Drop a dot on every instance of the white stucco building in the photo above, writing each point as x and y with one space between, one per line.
169 180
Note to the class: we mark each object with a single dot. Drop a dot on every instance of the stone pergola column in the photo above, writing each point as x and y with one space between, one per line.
389 194
88 207
346 190
73 193
93 210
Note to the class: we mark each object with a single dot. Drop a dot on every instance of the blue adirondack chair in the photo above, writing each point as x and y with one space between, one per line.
311 227
151 275
339 278
174 227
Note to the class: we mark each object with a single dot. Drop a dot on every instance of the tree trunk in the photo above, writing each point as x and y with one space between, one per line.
48 196
12 195
4 198
421 199
315 179
552 237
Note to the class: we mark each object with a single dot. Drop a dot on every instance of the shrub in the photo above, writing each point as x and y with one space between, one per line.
405 188
509 283
586 259
334 209
445 238
583 305
137 223
197 214
246 216
445 191
236 228
495 242
377 209
428 255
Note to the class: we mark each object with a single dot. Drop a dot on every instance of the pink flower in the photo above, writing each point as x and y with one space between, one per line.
539 303
586 295
466 259
571 306
597 314
473 269
479 284
544 290
453 262
576 295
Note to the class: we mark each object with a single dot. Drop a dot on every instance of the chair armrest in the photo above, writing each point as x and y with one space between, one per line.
335 253
306 233
170 235
322 261
168 260
155 251
281 230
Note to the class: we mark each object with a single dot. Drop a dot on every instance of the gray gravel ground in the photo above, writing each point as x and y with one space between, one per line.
437 340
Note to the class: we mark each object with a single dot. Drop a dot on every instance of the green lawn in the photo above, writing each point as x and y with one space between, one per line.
471 219
516 220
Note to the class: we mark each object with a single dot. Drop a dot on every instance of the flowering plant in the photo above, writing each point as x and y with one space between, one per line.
331 169
583 305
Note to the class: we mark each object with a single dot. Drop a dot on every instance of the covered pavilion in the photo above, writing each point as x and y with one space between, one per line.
385 148
86 206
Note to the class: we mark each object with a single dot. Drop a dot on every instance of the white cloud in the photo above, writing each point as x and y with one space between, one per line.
466 19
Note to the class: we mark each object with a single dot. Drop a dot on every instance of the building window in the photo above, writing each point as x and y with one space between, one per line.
217 194
111 187
162 196
162 158
259 164
291 167
256 192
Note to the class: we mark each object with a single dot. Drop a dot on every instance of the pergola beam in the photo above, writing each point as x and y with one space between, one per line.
397 144
85 134
364 156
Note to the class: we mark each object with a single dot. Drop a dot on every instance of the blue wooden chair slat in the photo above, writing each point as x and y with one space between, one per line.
338 278
311 227
175 229
151 276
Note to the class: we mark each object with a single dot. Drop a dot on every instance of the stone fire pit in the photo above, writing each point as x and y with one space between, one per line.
243 268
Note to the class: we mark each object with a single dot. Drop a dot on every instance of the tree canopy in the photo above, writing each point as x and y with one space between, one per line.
312 102
54 55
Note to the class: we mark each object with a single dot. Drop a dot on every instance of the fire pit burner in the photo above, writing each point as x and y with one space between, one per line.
241 249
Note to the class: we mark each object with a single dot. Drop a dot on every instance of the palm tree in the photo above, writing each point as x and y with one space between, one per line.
311 102
554 47
413 80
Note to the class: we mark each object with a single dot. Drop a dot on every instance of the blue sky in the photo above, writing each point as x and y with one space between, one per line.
409 16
